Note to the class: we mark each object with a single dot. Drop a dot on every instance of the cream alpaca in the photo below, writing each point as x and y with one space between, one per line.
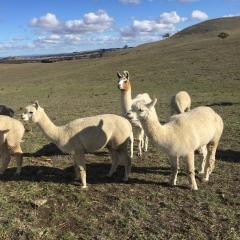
181 103
126 102
87 135
11 133
182 135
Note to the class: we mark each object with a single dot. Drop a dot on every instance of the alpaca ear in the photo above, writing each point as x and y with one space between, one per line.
36 104
126 74
119 75
152 104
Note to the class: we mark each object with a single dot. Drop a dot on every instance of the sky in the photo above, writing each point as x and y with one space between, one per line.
30 27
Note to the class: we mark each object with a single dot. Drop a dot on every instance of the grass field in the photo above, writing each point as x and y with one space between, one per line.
45 202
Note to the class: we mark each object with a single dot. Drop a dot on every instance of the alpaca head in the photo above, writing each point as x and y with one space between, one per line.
123 82
142 110
32 112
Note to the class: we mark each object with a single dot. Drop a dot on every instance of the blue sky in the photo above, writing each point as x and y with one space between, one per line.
56 26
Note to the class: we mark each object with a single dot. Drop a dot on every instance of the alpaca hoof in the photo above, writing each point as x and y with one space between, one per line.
171 183
139 155
84 187
201 172
205 179
194 188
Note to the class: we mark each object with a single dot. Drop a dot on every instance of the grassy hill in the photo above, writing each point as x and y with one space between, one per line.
195 60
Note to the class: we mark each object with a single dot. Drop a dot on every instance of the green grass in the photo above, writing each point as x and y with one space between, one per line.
145 208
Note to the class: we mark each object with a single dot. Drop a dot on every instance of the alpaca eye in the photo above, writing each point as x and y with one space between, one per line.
31 112
140 110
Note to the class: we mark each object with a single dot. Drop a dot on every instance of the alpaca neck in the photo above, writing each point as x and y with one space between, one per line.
155 131
126 100
49 129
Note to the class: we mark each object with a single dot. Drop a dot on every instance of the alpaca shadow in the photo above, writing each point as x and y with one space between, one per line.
152 170
228 155
52 150
96 174
4 110
222 104
47 150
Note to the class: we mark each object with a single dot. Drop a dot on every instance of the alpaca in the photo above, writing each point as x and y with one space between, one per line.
126 102
11 134
182 135
181 103
87 135
4 110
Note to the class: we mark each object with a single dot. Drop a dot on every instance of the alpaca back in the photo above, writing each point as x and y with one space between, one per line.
196 128
94 133
16 129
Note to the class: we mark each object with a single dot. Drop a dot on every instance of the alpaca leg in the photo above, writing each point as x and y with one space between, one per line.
5 158
131 145
140 142
191 171
146 143
80 168
124 158
204 152
19 159
115 162
174 161
210 163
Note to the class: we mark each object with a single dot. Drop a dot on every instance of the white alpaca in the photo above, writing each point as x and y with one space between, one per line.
11 134
181 103
87 135
182 135
126 102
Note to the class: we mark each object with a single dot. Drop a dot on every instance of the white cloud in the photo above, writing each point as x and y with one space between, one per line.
170 18
130 1
199 15
47 21
47 40
164 24
92 22
232 15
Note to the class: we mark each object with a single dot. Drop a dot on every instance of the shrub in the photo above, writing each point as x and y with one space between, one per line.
223 35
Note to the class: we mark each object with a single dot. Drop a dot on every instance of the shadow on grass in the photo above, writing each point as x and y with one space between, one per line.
52 150
96 174
228 155
222 104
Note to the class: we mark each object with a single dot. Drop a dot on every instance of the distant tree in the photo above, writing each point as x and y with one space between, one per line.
101 52
125 46
167 35
223 35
